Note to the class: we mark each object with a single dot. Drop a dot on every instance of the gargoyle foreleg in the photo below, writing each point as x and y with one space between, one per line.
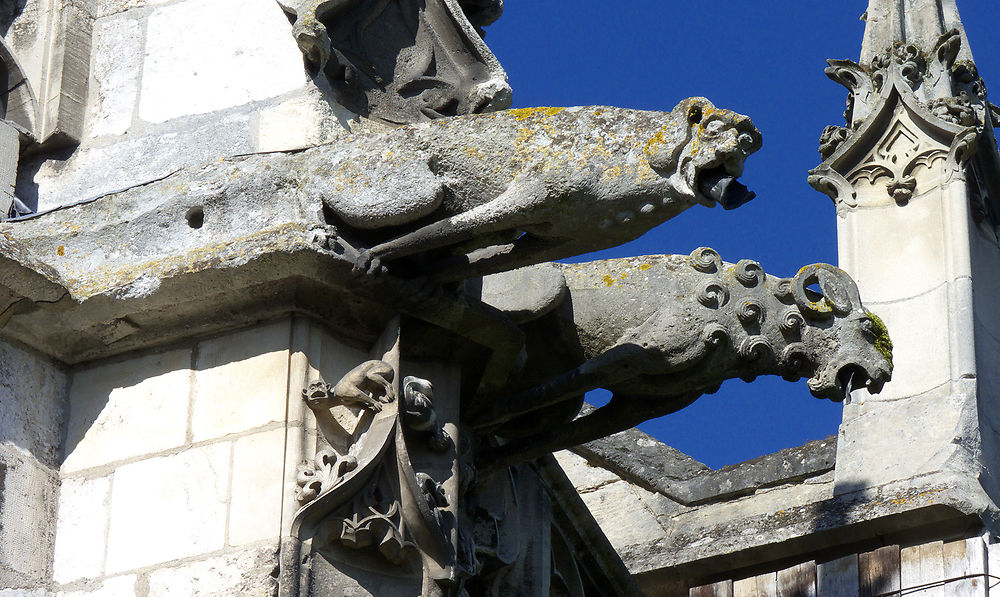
621 413
601 371
508 211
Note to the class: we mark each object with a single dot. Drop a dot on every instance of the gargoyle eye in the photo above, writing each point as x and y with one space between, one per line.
695 114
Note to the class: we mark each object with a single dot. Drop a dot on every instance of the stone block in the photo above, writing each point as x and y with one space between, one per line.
81 531
881 442
255 510
116 66
27 513
119 586
915 325
895 252
249 573
301 122
32 403
208 55
135 159
167 508
241 381
585 478
620 509
127 409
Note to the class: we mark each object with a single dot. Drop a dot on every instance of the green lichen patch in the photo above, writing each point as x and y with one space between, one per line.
883 344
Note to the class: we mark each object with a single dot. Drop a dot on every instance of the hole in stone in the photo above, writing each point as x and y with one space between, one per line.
195 216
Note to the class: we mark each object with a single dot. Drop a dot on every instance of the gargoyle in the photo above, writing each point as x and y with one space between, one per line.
659 332
498 191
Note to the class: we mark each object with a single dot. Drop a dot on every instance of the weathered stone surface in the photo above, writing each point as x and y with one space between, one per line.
135 159
28 492
32 403
641 460
181 500
301 122
619 506
193 66
109 7
917 370
255 507
879 442
893 252
787 466
82 529
127 409
241 381
526 293
116 66
119 586
251 572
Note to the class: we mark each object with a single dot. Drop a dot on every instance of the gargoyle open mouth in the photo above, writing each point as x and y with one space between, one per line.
849 378
722 187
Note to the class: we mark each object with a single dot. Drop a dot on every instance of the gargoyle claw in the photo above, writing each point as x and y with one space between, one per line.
367 264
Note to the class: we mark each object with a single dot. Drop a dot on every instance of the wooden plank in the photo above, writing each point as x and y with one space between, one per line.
798 580
765 585
838 578
878 571
965 557
723 588
922 566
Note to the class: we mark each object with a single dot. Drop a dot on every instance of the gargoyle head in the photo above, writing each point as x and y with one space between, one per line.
850 346
703 150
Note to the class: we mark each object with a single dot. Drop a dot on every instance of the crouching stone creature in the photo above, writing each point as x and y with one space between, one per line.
491 192
368 385
659 332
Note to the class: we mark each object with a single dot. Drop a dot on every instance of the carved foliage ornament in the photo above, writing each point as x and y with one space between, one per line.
909 109
402 60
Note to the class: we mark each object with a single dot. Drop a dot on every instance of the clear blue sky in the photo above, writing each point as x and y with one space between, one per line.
763 59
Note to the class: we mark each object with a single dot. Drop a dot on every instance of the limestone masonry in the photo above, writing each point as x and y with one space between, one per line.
279 317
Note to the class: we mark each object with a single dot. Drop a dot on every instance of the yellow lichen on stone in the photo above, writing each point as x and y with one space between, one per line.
608 280
645 266
525 113
614 172
655 141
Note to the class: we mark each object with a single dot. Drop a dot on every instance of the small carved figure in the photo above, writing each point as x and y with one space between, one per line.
402 61
369 385
500 191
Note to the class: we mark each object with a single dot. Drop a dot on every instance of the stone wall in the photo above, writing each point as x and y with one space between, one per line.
179 83
175 480
32 413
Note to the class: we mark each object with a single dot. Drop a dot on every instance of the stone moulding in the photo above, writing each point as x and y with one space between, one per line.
888 146
906 110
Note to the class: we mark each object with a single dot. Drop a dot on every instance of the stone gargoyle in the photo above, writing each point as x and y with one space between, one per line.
479 194
659 332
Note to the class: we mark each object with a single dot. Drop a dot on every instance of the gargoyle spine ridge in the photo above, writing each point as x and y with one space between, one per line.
656 357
